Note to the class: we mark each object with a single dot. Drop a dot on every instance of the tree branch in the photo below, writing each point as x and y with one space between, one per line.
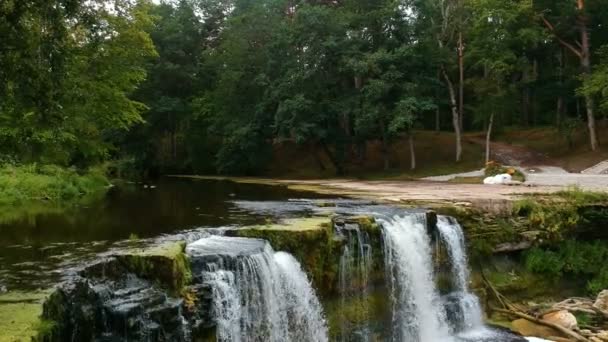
569 46
557 327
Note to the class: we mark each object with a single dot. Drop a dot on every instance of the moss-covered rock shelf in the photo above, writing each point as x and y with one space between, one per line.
314 242
166 265
21 317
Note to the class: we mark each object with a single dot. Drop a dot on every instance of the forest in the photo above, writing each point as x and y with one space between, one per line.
214 86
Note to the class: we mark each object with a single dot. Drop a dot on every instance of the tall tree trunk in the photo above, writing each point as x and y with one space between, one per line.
455 115
410 138
534 107
586 65
525 105
559 111
313 151
560 99
461 81
385 152
525 96
488 137
584 55
332 158
437 120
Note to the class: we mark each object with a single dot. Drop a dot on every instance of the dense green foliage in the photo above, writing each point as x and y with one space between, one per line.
573 258
214 85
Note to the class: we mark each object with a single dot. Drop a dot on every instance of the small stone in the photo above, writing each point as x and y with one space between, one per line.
602 335
594 339
601 302
563 318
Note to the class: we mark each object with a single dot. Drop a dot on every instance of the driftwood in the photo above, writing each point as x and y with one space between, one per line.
532 319
509 308
580 304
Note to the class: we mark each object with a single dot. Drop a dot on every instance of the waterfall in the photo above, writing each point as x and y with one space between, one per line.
354 268
300 301
258 294
418 314
469 310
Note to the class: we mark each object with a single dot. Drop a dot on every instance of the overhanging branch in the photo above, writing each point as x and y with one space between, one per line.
569 46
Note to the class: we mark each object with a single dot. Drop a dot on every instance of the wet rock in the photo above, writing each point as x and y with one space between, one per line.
563 318
109 301
601 301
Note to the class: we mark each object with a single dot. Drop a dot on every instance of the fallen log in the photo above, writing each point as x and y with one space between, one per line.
532 319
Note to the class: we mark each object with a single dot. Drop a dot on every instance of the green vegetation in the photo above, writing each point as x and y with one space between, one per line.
166 264
49 183
493 168
20 317
573 258
558 216
313 243
354 87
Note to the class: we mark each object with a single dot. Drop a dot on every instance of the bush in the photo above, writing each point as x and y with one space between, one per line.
495 168
33 182
574 258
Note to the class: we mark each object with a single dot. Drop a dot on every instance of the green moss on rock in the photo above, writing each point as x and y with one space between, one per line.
166 264
20 317
356 312
310 240
313 242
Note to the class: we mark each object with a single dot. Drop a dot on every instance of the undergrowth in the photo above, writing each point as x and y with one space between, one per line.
559 215
20 184
572 258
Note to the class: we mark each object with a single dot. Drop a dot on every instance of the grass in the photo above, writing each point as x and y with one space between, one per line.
20 185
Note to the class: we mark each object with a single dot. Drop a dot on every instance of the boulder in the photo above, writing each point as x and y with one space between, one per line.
601 302
527 328
563 318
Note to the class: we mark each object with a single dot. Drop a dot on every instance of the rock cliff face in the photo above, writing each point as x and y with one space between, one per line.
132 296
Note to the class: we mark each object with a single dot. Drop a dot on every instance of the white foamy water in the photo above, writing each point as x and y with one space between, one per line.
418 314
470 314
259 295
300 301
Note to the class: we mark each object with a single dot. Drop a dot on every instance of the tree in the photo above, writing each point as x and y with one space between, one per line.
580 47
500 34
596 84
68 68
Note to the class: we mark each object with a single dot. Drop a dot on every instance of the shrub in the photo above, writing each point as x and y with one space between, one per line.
32 182
574 258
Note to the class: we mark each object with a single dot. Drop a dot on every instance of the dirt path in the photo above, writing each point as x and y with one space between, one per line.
539 169
512 155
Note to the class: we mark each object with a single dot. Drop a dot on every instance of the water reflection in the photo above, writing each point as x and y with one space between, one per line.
40 244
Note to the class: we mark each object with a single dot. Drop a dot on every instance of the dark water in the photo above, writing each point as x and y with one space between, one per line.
37 249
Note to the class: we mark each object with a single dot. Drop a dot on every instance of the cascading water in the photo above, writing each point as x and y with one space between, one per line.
258 295
355 263
469 314
418 314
